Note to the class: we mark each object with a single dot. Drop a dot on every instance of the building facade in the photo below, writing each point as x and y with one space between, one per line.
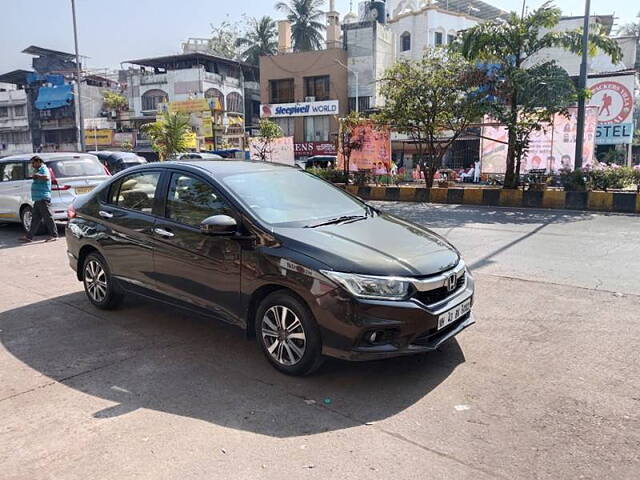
15 136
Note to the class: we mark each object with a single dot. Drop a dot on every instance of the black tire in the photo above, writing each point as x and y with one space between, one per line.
99 285
289 343
26 216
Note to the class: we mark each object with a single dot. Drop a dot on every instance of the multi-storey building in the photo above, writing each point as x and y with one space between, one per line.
15 136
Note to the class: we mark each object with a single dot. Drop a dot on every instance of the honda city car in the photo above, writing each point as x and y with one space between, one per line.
305 267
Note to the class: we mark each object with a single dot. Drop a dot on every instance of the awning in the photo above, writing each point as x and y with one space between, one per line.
54 97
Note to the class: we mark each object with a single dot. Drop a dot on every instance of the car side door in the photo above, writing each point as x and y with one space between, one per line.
128 215
189 265
14 189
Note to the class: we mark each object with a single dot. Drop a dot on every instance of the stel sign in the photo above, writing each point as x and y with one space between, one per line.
300 109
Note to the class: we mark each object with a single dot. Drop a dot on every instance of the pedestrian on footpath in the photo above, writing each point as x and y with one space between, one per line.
41 197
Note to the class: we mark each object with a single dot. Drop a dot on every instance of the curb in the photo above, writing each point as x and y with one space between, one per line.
591 201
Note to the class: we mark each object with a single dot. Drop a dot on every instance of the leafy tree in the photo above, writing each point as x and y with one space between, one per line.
260 39
306 23
524 100
632 29
269 131
114 101
349 139
224 40
168 134
433 101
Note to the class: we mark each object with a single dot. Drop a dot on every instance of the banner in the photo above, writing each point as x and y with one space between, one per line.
613 97
309 149
100 137
551 148
376 148
189 106
279 151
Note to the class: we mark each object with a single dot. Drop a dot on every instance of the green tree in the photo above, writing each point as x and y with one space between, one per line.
632 29
349 139
224 40
524 100
306 23
260 39
168 134
433 101
114 101
269 131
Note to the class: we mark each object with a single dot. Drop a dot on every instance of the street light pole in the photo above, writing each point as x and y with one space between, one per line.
78 78
582 85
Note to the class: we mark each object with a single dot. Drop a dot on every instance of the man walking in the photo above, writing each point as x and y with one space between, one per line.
41 197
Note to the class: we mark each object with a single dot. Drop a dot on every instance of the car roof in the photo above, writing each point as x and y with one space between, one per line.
48 157
223 167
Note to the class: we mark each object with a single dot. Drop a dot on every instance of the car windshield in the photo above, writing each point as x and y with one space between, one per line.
289 197
76 167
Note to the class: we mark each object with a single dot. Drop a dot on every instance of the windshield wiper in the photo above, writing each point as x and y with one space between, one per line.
342 219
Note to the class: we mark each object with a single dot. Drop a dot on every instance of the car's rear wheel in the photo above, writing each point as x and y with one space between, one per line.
288 334
98 283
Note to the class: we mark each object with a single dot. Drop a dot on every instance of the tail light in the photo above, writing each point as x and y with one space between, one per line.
54 182
71 212
106 170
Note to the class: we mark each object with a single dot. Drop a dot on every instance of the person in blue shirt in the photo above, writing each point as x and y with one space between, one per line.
41 197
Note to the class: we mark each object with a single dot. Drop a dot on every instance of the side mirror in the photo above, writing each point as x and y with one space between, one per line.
219 225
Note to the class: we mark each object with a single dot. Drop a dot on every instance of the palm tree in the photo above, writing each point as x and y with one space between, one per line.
513 43
260 40
306 27
168 134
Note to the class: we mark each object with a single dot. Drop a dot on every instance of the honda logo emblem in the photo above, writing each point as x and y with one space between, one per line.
451 282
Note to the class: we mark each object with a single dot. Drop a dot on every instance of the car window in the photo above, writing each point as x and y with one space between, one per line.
135 192
11 171
76 167
191 200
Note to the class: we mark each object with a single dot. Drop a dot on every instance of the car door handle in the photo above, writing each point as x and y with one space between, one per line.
105 214
162 232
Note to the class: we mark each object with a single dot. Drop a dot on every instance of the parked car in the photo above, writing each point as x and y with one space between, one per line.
118 161
72 174
182 157
321 161
304 266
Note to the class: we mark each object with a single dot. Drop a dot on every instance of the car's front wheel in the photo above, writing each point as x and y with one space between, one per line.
98 283
288 334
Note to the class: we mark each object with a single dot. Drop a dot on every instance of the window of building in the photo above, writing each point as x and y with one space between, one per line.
317 87
217 94
316 128
287 125
4 112
405 42
18 110
234 103
151 99
281 91
190 200
135 191
437 38
364 103
451 38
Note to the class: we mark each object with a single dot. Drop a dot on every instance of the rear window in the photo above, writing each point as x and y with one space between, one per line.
76 167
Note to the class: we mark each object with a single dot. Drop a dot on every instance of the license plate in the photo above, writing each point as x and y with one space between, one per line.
454 314
83 190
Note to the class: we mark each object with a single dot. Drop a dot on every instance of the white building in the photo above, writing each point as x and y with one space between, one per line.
421 24
15 136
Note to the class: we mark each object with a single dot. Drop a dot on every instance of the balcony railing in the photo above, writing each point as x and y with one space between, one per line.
156 78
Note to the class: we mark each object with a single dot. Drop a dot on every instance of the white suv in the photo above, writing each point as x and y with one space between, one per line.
72 174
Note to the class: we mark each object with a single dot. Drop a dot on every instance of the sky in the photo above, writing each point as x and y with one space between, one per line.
113 31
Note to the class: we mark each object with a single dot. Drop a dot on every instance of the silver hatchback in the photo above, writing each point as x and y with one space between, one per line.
72 174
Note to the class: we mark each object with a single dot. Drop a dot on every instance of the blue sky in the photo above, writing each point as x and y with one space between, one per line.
115 30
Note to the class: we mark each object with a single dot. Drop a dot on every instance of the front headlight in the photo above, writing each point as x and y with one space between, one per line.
367 286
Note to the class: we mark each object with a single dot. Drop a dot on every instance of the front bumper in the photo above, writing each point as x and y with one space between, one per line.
412 326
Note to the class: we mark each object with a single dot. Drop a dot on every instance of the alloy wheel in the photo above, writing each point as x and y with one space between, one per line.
95 280
283 335
27 218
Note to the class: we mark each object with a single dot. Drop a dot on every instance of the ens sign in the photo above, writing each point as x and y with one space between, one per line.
300 109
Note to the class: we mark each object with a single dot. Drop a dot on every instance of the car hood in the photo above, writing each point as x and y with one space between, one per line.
379 245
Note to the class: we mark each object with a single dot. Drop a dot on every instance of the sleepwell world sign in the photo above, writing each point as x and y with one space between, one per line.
300 109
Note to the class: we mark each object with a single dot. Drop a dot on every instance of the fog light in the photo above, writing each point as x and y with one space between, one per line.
373 336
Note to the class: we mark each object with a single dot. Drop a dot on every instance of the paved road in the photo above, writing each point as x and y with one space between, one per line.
545 386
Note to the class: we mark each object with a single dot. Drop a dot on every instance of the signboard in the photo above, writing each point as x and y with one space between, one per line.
101 137
122 138
309 149
614 99
189 106
300 109
191 141
376 148
552 148
280 150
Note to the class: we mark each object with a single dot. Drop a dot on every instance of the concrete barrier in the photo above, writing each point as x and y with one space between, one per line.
625 202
